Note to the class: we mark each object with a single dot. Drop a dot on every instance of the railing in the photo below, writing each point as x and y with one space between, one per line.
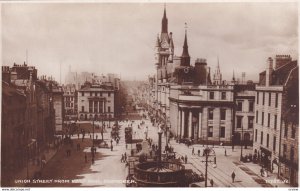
163 174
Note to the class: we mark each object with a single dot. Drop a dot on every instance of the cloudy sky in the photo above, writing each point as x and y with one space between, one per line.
120 38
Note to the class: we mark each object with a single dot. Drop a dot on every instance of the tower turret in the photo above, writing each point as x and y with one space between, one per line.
185 57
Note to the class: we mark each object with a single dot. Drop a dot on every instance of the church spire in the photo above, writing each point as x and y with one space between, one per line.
164 22
185 52
185 57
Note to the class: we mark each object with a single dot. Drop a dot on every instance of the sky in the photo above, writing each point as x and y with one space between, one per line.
120 38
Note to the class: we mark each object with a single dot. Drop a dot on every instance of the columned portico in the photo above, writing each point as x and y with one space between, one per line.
189 125
182 124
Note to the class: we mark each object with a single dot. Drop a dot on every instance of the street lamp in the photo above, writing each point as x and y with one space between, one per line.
159 144
93 153
207 151
242 140
168 125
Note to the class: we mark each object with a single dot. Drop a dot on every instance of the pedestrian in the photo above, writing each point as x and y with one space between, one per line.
125 156
212 182
90 136
261 171
198 152
96 137
85 158
111 148
122 158
225 152
185 159
78 135
233 176
193 151
126 146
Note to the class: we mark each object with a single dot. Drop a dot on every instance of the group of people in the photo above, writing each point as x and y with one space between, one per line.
124 158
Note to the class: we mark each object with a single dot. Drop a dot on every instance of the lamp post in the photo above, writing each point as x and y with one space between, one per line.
93 152
207 152
168 126
242 140
27 169
159 144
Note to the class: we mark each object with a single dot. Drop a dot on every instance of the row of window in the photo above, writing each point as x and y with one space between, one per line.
292 152
95 109
239 123
68 98
240 106
293 131
96 94
268 121
268 139
212 95
68 104
210 132
269 98
211 114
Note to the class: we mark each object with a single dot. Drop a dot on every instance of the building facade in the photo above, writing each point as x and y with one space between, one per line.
244 99
27 118
96 101
70 101
289 142
13 128
202 113
190 104
269 108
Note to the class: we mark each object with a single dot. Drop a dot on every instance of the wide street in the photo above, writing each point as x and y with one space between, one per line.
109 171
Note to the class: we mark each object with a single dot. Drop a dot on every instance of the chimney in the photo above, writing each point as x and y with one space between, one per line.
269 69
201 71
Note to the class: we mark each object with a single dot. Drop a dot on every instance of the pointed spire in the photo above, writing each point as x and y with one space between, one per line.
165 15
185 52
208 77
185 57
164 22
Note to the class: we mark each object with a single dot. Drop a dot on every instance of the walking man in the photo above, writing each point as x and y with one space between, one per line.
225 153
212 182
198 152
193 151
233 176
122 159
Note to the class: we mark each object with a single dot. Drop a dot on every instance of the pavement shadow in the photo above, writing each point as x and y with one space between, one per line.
65 170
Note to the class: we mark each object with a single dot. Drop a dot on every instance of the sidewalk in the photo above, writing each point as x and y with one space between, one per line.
33 167
254 170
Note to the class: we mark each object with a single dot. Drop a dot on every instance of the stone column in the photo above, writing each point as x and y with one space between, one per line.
93 107
178 122
99 107
182 123
200 125
190 125
103 107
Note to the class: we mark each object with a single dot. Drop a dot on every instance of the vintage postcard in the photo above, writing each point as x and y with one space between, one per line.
149 94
